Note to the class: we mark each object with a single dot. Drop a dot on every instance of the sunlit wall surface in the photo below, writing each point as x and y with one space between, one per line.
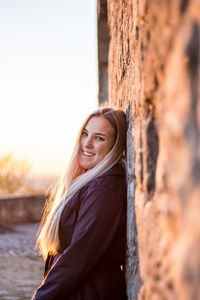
48 78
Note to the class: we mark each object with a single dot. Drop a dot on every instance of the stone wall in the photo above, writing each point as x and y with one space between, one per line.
21 209
154 74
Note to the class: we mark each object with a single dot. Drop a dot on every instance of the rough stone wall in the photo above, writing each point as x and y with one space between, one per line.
154 73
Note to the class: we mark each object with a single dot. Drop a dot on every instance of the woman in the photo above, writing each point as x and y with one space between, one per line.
83 231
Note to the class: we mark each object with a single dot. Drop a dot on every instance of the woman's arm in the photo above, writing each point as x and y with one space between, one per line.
97 223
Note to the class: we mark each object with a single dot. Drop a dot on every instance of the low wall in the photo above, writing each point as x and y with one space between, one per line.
21 208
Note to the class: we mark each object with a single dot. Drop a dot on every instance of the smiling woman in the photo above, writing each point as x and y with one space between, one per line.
97 139
82 236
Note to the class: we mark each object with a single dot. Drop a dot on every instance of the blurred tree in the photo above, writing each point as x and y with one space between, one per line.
13 172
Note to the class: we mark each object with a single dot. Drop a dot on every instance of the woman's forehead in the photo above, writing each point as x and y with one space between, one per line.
99 125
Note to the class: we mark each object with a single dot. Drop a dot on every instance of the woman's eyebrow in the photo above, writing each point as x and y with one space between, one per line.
98 133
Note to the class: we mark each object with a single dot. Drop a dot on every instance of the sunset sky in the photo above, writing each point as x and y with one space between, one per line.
48 78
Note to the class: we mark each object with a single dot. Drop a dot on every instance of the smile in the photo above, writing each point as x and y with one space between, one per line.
88 154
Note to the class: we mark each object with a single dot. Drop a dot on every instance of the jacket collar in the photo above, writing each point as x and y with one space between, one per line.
117 169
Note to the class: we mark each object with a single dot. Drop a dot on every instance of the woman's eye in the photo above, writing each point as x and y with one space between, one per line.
98 138
84 133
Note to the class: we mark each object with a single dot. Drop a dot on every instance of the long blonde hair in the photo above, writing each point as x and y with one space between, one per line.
74 178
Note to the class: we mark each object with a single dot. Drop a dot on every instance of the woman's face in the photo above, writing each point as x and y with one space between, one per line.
97 139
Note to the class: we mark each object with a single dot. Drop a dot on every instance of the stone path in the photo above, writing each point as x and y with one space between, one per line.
21 269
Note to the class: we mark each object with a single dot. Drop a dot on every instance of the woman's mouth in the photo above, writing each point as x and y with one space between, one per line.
87 153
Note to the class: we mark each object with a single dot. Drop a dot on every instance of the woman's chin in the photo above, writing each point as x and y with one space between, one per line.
86 165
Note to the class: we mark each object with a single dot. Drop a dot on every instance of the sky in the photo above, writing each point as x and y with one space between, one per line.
48 78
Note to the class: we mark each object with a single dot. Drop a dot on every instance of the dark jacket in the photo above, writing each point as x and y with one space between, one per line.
88 265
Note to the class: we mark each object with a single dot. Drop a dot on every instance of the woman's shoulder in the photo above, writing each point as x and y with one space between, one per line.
109 187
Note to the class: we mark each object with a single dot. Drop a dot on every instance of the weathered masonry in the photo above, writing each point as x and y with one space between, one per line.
151 51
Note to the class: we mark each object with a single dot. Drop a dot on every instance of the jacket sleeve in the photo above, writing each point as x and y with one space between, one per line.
97 223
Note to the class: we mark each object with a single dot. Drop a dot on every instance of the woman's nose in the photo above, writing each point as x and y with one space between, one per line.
87 142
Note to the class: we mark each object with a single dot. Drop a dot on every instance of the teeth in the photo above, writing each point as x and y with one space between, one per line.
88 153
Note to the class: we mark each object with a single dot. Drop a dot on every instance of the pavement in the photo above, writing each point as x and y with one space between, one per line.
21 269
